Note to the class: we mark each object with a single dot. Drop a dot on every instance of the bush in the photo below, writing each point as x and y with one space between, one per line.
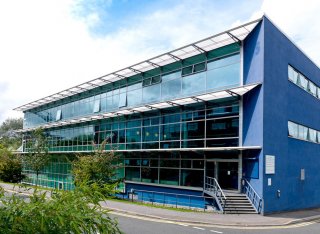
100 168
77 211
10 166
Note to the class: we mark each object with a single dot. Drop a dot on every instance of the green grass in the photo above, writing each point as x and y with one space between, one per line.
166 207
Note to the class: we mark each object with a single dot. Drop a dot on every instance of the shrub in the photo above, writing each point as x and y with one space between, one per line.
10 167
76 211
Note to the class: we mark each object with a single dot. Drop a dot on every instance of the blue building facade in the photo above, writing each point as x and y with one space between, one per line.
238 109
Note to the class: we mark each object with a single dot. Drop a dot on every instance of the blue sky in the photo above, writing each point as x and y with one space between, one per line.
116 14
48 45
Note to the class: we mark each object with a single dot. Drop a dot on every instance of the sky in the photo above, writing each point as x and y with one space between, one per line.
50 45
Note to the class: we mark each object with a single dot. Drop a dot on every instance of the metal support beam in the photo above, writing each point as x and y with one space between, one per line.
153 64
234 38
174 57
135 70
199 49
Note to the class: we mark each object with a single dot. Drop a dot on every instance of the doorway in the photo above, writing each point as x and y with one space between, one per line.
225 172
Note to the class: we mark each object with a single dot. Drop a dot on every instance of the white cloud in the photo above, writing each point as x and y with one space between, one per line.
299 20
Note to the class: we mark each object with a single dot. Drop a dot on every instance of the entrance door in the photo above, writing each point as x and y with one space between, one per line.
210 169
228 175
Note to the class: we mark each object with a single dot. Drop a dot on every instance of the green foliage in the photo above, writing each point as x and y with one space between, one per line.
77 211
10 166
37 157
8 137
99 167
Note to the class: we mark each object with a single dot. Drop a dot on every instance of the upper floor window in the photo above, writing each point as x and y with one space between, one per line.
304 83
303 133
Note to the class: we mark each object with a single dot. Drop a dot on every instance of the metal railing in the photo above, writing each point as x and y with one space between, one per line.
253 196
169 199
212 187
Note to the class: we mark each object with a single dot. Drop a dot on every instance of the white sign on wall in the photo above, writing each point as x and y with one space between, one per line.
270 164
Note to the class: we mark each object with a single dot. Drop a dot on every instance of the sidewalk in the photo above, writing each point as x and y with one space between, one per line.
205 218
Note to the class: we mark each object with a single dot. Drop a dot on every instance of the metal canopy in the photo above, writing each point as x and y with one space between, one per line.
216 41
238 91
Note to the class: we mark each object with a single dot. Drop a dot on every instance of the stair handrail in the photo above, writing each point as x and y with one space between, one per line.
252 194
212 184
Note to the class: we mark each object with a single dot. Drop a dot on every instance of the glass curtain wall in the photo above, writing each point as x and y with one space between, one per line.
218 69
196 126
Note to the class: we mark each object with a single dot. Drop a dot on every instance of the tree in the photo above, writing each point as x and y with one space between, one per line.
99 168
8 135
37 156
10 166
77 211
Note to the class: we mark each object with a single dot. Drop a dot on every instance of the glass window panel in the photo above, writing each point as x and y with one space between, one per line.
149 175
223 77
303 132
292 74
134 123
318 133
96 106
313 89
293 129
223 142
223 128
170 144
59 115
199 164
171 76
312 135
194 83
169 163
192 130
151 93
156 79
122 100
170 132
303 82
132 162
222 62
134 97
169 176
170 89
318 93
199 67
132 173
192 144
187 70
192 178
171 118
133 135
185 163
146 82
150 134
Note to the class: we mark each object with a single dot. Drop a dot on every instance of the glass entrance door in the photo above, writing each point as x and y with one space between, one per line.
228 175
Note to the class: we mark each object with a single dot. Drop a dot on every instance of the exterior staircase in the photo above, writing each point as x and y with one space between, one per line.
232 202
238 203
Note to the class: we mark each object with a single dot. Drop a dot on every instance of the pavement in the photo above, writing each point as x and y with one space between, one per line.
200 218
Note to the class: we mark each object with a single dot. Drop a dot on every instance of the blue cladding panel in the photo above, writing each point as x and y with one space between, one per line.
170 196
284 101
253 56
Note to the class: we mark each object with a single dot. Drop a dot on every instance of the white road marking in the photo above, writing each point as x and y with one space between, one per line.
216 231
199 228
182 224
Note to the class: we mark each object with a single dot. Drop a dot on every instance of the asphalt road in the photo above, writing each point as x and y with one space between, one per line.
131 225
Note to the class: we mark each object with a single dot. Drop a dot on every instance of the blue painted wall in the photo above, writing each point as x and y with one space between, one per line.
285 101
253 60
172 196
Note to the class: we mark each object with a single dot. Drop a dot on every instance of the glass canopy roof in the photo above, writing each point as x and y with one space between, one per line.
236 34
233 92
